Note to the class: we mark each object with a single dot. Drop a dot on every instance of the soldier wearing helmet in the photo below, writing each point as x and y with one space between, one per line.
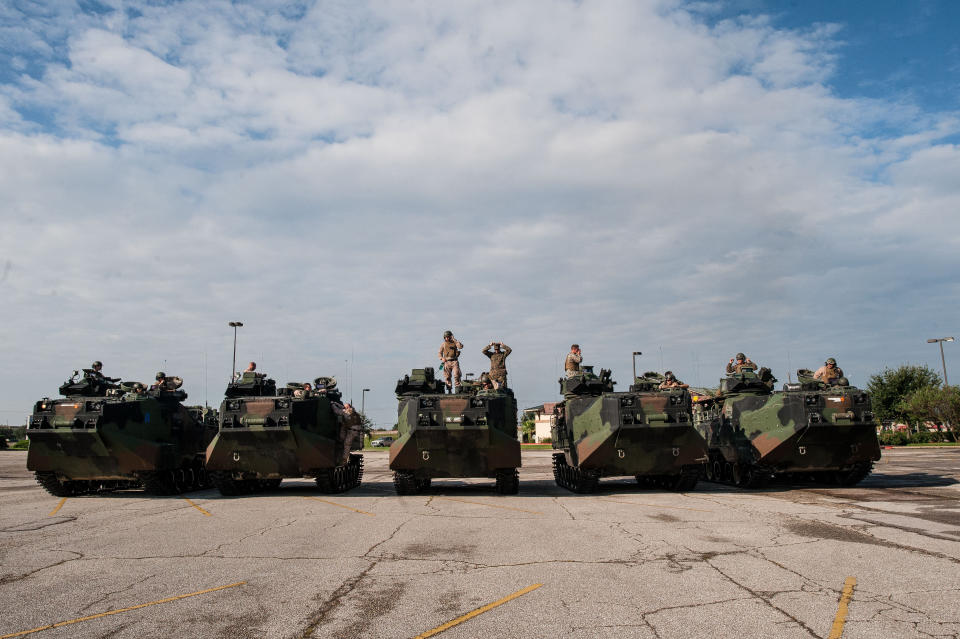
740 362
670 381
161 381
829 373
94 373
449 354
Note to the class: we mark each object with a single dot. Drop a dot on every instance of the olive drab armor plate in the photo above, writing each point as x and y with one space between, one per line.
812 429
472 433
268 435
116 437
645 432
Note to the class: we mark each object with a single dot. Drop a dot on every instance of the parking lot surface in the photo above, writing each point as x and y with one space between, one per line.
878 560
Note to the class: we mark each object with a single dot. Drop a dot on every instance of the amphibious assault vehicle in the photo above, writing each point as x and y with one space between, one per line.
809 430
105 436
645 432
268 434
472 433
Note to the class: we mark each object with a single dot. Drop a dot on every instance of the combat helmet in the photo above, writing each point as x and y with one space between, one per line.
830 360
448 333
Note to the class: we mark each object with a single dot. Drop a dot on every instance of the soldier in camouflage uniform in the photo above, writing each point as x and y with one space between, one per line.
95 373
450 356
741 362
828 372
669 381
498 365
572 364
351 425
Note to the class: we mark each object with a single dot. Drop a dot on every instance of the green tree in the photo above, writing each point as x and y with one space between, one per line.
940 405
528 428
891 388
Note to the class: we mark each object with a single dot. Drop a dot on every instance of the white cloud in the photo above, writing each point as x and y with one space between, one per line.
360 177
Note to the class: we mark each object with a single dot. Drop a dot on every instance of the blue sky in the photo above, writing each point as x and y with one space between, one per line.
885 49
350 179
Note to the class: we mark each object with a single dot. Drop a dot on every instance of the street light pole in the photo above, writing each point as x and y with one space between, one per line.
943 360
363 401
233 371
635 353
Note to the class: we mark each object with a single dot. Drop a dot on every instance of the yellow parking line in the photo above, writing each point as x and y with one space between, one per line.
333 503
197 507
59 506
118 611
837 630
480 503
638 503
471 615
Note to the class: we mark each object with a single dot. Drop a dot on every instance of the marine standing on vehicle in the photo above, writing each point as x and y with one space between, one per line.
572 364
498 364
450 356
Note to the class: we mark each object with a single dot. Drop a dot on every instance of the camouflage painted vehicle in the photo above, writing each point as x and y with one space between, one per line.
106 436
208 416
645 432
472 433
810 430
267 435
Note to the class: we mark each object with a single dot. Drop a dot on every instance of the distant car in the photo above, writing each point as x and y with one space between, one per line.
383 441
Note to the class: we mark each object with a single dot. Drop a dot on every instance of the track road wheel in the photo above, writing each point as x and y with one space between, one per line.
559 465
227 485
685 481
58 488
855 475
508 481
406 483
159 482
270 484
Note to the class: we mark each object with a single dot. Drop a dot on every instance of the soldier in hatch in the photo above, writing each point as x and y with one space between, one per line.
161 382
572 364
829 372
498 364
669 381
95 373
739 363
450 356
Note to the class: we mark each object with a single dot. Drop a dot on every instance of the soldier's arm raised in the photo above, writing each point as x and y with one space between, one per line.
506 349
486 350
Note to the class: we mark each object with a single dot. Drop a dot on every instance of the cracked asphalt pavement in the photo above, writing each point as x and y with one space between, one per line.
627 561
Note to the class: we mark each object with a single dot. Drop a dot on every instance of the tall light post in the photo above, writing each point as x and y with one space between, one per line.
363 401
635 353
235 325
943 360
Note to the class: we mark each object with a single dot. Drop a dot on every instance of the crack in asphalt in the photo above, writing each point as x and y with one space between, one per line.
348 586
15 578
114 592
765 597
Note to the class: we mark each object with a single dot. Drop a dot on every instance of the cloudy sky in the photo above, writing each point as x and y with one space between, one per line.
349 179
